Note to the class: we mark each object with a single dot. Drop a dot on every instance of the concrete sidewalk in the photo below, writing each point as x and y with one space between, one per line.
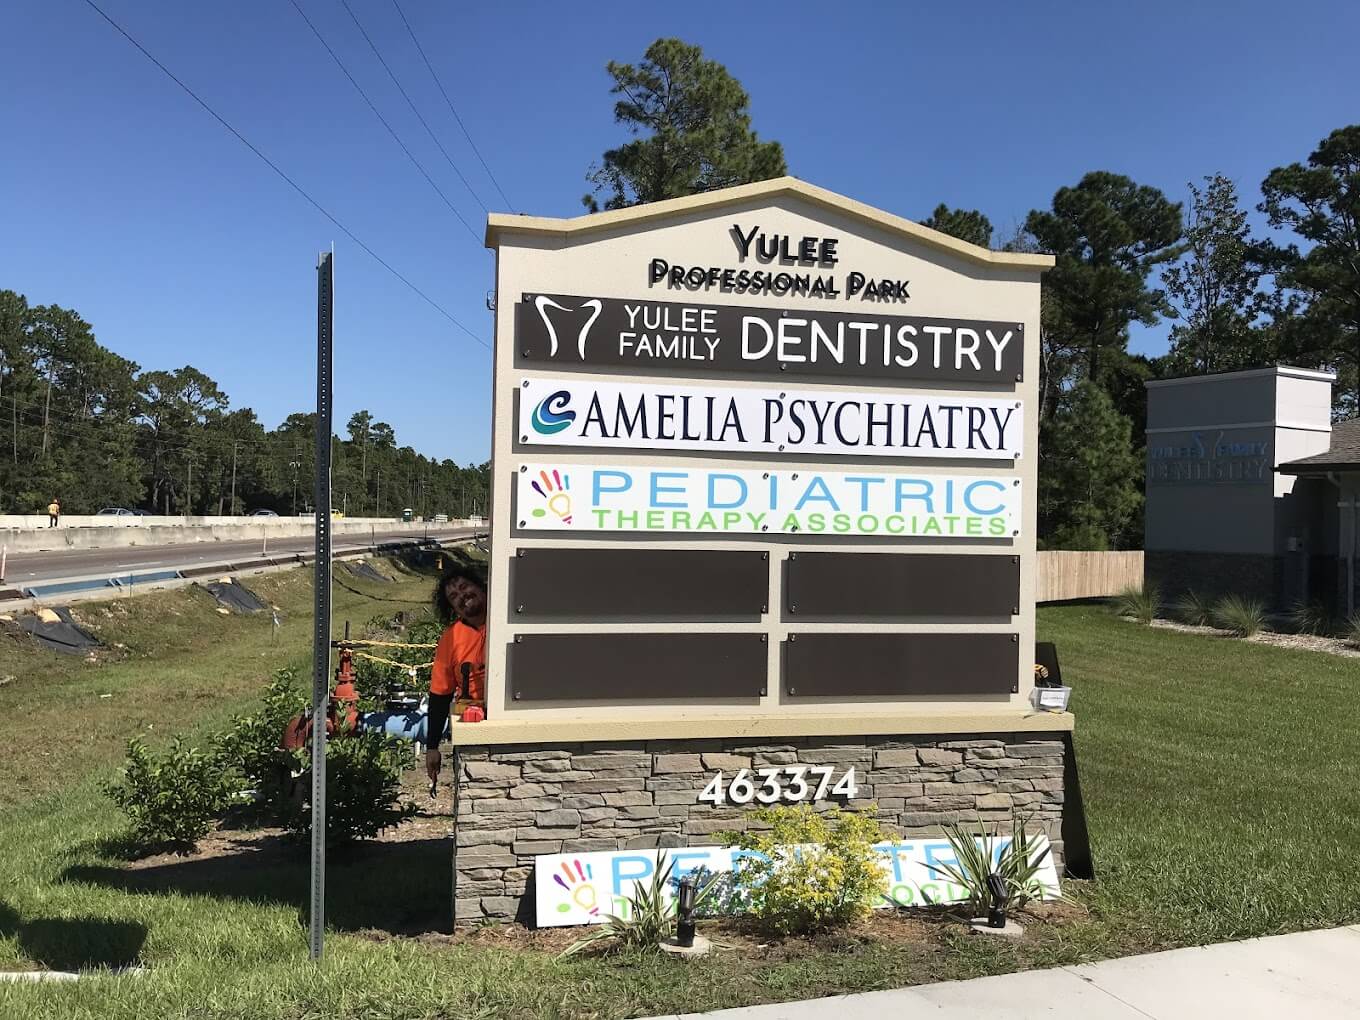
1309 974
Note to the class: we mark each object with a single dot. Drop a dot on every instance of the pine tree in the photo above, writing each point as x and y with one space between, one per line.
698 131
1089 471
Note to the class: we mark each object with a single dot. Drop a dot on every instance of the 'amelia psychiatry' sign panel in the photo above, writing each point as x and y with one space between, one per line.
665 416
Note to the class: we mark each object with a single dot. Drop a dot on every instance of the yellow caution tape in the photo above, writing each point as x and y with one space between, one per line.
409 667
384 644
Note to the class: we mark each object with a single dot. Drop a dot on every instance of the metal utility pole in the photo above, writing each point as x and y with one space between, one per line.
321 638
233 478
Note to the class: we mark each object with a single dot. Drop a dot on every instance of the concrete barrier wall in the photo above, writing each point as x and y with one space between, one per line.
50 539
39 521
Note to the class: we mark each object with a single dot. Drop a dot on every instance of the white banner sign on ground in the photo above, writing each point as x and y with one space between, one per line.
583 888
566 498
661 415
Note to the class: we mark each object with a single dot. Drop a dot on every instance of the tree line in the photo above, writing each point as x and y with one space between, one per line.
1125 253
84 425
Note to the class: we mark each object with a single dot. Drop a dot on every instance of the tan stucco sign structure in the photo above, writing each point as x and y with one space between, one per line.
763 529
764 462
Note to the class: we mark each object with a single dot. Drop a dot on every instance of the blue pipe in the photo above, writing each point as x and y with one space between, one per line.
406 725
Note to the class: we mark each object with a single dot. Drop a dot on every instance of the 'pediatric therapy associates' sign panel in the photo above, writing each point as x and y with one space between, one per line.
568 331
673 498
583 888
660 416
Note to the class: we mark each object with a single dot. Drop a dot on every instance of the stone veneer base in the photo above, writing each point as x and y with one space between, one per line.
517 801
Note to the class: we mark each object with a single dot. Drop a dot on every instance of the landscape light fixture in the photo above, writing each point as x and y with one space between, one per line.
996 916
684 929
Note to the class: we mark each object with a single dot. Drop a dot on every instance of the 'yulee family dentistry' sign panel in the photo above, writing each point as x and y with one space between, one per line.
663 416
583 888
570 331
568 498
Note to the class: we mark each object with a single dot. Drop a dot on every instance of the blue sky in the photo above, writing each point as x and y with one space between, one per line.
121 198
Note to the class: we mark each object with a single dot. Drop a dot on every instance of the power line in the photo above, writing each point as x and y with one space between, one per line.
390 130
421 50
449 159
288 180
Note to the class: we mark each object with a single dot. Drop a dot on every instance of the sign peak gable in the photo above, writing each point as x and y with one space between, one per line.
503 226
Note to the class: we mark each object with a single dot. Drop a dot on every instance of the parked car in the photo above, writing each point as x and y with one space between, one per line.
262 513
115 511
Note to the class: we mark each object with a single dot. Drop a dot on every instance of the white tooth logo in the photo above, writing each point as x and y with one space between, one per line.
542 302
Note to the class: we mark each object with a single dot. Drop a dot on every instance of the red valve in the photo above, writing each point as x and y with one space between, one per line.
473 713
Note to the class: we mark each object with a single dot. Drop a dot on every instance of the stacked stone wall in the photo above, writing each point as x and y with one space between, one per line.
1214 575
515 802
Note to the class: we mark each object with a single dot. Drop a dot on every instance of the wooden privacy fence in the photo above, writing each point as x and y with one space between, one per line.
1085 575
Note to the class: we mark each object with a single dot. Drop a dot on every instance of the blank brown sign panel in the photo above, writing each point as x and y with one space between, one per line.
637 667
549 583
888 665
877 585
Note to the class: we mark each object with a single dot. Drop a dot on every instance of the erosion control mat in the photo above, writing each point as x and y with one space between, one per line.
57 630
234 596
366 570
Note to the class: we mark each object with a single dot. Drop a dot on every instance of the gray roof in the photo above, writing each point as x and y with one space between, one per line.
1344 454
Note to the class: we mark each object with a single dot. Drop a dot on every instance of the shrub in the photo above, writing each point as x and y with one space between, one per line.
251 743
1309 617
976 857
1140 603
813 871
1194 609
363 786
650 917
1351 632
1240 616
172 799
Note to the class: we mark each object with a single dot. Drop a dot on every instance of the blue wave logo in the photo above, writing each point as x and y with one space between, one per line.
552 416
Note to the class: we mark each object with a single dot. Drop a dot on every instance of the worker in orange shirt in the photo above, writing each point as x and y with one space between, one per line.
460 657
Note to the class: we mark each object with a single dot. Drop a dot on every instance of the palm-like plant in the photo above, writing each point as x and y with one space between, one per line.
650 917
1018 863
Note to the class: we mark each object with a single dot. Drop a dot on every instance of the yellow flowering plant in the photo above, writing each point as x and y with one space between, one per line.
809 871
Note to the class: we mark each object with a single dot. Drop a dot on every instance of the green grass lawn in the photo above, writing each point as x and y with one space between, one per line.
1222 792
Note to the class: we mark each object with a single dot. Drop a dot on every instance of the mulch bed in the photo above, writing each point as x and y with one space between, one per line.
242 850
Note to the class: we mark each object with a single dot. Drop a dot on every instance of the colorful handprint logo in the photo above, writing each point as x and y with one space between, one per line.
556 491
579 886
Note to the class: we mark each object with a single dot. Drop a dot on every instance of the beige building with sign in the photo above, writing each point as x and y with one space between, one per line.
1251 489
683 596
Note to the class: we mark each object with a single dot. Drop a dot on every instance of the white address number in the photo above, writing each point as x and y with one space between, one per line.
774 783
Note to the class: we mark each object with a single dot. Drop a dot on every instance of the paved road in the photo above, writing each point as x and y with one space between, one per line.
39 567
